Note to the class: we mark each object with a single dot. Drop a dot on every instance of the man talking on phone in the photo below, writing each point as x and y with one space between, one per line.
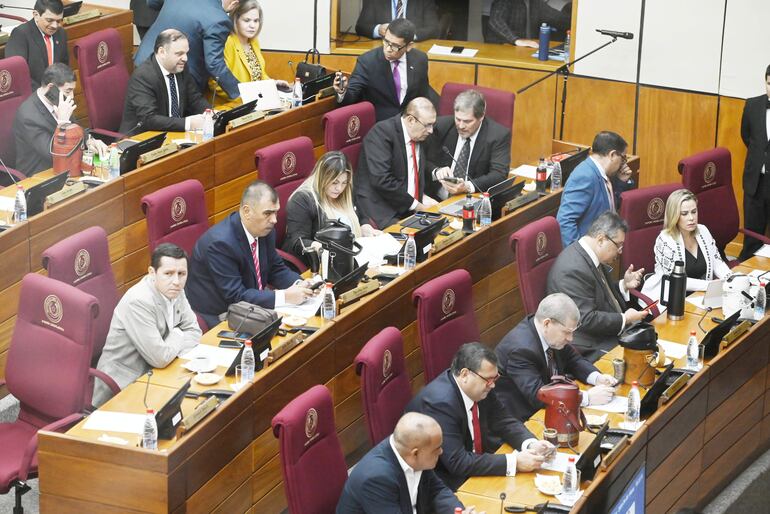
51 105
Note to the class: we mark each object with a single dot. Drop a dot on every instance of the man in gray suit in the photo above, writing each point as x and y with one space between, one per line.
152 324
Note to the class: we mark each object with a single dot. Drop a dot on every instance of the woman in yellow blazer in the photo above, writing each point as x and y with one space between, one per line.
242 53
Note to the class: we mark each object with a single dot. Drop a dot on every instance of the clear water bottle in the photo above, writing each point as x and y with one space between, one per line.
692 352
410 253
329 305
208 124
541 175
114 161
247 363
634 405
570 483
759 302
20 205
567 41
485 211
556 176
150 431
296 93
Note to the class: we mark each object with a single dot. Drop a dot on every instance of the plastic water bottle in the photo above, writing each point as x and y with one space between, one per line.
410 253
692 352
541 175
329 305
570 484
556 176
208 124
150 431
759 302
247 363
296 93
114 161
485 210
634 405
567 41
20 205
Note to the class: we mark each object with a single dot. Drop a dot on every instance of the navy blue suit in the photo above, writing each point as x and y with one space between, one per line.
377 486
584 198
222 270
441 401
207 27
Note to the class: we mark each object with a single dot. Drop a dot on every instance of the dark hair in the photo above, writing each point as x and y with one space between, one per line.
402 28
608 223
245 6
767 72
256 190
471 100
55 6
166 37
471 355
57 74
606 141
166 250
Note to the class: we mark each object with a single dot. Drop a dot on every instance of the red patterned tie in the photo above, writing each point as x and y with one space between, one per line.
416 171
255 256
477 448
49 48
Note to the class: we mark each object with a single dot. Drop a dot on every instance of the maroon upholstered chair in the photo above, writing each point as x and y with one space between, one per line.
284 166
385 388
47 370
314 469
445 319
535 247
104 77
176 214
15 87
13 17
345 128
499 102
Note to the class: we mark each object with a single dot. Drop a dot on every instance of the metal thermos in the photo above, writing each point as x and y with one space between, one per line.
544 43
677 290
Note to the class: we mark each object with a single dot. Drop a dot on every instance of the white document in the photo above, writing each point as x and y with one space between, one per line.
447 50
306 309
697 301
115 422
375 248
220 356
619 404
673 350
754 273
559 462
7 203
763 252
265 92
569 500
528 171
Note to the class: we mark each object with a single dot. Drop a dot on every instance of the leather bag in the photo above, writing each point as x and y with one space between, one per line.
67 149
310 68
249 318
562 399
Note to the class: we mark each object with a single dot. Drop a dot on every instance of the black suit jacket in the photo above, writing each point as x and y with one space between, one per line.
574 274
33 128
147 99
222 269
525 370
420 12
144 15
372 80
380 186
377 486
489 161
441 400
27 41
755 137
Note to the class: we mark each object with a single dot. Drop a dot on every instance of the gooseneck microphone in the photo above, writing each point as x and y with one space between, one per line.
251 309
708 309
147 387
214 92
13 179
462 168
615 34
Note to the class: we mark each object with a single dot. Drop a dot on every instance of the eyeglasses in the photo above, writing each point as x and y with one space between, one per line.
570 330
427 126
623 158
489 381
393 47
618 246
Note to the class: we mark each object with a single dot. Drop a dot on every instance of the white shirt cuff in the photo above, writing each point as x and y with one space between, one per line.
280 297
414 205
527 442
510 464
584 401
187 124
623 290
591 380
469 186
623 324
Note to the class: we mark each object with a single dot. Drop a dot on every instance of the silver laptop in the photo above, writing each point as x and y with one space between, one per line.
265 92
713 296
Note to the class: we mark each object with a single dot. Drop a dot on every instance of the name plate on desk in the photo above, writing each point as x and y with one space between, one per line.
734 334
154 155
64 193
362 289
243 120
444 242
285 347
82 16
200 412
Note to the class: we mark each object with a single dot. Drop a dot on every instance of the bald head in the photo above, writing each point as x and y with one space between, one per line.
419 118
420 107
418 439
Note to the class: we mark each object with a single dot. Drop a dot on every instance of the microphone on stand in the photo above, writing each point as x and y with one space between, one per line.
214 92
147 387
5 6
134 130
462 168
251 309
13 179
708 309
615 34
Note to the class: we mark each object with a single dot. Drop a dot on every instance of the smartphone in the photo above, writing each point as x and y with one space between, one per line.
52 95
458 49
453 180
318 284
229 344
650 306
229 334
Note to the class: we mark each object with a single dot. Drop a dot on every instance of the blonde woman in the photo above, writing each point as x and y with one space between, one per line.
683 239
327 194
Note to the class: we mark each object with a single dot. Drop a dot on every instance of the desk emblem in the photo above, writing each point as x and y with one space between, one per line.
82 262
102 52
709 172
178 209
53 309
311 423
448 301
5 81
289 163
354 126
655 209
387 364
541 243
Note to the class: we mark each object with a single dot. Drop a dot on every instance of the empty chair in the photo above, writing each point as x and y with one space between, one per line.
499 103
313 465
445 319
535 248
16 87
176 214
385 388
345 128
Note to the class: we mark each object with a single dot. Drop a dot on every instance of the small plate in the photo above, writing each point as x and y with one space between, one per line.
293 321
549 485
596 420
207 378
203 365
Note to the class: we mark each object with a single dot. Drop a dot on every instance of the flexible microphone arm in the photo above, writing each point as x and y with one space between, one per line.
146 388
708 309
5 6
9 172
462 168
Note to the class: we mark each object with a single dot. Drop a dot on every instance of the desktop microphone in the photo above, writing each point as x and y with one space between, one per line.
615 34
4 6
708 309
134 129
214 92
147 387
9 172
245 316
462 168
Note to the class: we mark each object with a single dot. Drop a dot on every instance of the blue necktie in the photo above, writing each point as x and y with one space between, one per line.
174 97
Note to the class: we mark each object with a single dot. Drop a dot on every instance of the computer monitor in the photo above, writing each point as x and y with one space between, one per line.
570 163
72 8
37 194
170 415
422 238
649 403
312 87
350 281
131 153
223 118
714 337
502 193
260 344
591 457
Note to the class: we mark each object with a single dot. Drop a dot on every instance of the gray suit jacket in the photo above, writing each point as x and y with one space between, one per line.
141 337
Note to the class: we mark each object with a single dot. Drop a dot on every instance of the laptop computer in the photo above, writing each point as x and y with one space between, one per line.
713 295
264 92
499 194
37 194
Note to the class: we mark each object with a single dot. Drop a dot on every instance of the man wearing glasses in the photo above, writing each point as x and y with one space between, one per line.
591 188
537 349
474 421
582 272
389 77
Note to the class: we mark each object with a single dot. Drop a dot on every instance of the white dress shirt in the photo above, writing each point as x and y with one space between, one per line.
621 283
280 296
410 164
166 81
412 477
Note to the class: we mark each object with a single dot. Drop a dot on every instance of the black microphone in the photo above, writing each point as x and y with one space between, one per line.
214 92
147 387
708 309
9 172
4 6
134 130
462 168
251 309
615 34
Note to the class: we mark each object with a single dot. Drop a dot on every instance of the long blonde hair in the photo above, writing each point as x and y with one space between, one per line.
674 210
328 168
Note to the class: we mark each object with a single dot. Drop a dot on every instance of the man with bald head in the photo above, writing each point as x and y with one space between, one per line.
397 476
391 174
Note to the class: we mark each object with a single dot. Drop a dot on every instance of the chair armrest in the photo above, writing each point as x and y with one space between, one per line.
105 135
293 261
104 377
31 449
755 235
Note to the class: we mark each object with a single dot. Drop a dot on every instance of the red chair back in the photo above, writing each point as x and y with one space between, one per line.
345 128
104 77
15 87
176 214
643 209
385 388
445 319
709 175
535 248
314 469
284 166
499 103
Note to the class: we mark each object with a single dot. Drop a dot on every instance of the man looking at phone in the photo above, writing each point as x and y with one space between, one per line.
51 105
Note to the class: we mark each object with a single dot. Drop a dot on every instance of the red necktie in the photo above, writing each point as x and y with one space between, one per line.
255 256
477 448
416 171
49 47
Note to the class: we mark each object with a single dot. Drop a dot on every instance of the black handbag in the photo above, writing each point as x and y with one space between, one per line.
337 238
310 68
248 318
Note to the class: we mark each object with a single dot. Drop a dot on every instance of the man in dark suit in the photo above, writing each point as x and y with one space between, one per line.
756 181
144 16
375 15
473 421
517 22
161 94
207 26
41 41
539 348
397 476
236 260
390 179
390 77
468 142
582 272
